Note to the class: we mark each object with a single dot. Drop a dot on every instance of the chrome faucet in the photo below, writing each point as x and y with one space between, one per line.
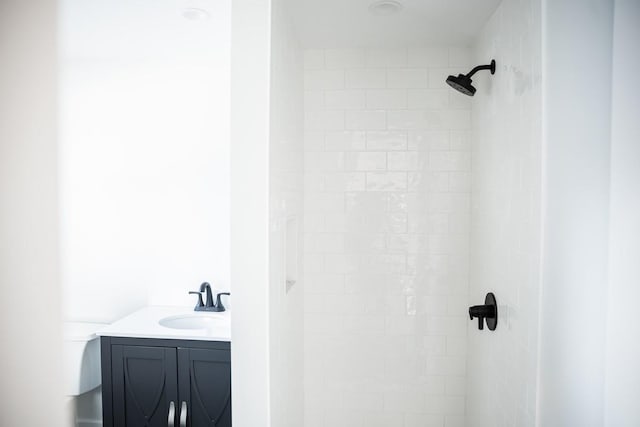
209 305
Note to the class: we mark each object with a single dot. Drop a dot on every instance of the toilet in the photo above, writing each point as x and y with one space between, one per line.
82 371
81 357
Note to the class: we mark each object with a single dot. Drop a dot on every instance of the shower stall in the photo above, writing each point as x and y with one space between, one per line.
416 201
411 190
396 203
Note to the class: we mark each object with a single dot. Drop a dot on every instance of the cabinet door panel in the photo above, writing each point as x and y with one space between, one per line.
205 384
144 383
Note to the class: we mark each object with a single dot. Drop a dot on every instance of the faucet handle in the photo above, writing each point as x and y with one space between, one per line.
219 305
200 303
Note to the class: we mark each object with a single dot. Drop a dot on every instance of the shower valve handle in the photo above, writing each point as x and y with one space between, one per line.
481 312
487 312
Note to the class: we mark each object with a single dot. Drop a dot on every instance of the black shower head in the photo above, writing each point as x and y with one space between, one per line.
462 83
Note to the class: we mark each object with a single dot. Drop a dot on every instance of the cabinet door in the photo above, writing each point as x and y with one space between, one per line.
205 386
144 385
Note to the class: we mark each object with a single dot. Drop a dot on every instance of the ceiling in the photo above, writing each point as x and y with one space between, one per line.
143 30
349 23
157 29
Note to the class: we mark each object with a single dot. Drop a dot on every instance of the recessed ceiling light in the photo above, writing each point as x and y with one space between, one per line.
385 7
195 14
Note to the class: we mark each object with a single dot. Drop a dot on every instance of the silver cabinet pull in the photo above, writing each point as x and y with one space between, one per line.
183 414
171 420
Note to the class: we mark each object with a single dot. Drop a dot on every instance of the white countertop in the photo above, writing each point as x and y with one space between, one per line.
144 323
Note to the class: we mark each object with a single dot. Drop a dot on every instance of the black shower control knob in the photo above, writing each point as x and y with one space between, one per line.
486 313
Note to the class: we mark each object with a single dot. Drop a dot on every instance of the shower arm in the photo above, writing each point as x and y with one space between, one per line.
480 67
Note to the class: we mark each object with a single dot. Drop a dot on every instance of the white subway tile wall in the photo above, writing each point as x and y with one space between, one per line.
387 205
506 212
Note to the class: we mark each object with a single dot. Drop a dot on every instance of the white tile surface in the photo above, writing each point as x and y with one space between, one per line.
321 79
387 202
386 140
366 161
345 100
461 57
344 58
421 140
324 120
386 99
313 100
366 120
429 99
386 58
313 58
405 161
450 161
366 78
410 78
386 181
345 140
313 140
505 244
428 57
324 161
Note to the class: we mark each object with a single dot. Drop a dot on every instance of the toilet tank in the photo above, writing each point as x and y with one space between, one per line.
81 357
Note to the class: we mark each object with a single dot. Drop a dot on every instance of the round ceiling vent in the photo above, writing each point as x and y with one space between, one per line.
195 14
385 7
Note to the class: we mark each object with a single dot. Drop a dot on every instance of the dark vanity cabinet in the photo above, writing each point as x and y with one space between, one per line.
165 383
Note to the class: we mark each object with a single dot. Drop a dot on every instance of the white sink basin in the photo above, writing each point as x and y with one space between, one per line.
180 323
192 321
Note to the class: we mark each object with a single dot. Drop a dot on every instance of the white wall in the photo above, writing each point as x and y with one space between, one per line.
286 163
144 156
250 84
387 185
506 215
30 306
623 329
577 53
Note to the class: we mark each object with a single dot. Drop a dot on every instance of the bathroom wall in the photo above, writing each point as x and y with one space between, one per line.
144 155
576 194
622 385
286 161
30 306
506 217
250 124
386 237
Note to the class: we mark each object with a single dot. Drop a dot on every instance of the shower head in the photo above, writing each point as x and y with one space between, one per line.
462 83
